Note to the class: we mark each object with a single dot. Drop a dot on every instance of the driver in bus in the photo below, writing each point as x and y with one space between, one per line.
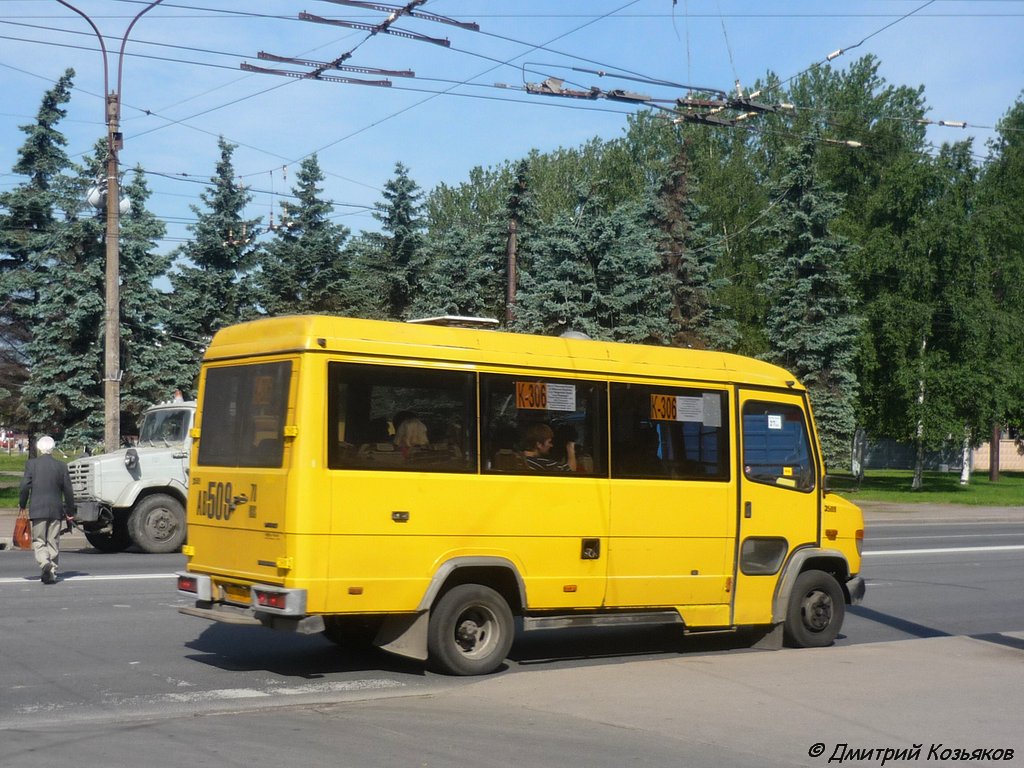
539 440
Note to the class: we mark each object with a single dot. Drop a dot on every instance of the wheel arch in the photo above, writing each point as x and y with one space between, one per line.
172 490
498 573
140 491
831 561
406 634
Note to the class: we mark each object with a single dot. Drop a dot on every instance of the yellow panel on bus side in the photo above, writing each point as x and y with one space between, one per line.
392 531
671 543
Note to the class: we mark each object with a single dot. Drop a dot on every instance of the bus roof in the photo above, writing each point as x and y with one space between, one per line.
385 341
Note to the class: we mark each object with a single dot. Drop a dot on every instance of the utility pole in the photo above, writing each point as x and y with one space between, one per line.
510 288
112 314
515 207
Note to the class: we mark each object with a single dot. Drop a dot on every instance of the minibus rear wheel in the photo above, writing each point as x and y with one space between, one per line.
471 630
816 611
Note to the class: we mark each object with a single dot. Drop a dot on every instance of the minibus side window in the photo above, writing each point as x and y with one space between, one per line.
661 432
244 408
519 411
401 419
777 446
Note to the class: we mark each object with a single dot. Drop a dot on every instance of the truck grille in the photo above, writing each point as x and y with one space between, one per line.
82 479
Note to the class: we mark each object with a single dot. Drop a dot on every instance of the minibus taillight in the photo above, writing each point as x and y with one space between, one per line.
859 535
188 584
277 600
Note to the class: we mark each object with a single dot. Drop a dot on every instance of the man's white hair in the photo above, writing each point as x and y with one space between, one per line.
45 444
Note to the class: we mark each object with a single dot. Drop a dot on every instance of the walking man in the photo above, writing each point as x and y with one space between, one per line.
45 482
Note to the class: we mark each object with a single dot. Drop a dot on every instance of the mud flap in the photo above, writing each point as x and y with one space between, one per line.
771 640
405 635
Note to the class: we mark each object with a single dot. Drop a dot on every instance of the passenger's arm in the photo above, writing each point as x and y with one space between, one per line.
570 455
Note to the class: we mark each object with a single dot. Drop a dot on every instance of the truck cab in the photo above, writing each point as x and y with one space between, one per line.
137 495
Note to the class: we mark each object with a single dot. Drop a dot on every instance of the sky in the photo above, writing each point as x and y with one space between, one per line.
182 85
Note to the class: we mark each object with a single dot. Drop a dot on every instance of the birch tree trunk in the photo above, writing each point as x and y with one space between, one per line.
965 465
919 462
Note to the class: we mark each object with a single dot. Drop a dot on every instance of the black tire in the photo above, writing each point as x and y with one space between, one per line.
816 611
351 631
471 630
116 540
157 524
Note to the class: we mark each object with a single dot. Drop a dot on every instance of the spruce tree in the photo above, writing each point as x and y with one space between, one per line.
558 292
303 269
150 359
597 274
210 285
811 324
458 278
465 264
390 262
32 254
688 253
634 295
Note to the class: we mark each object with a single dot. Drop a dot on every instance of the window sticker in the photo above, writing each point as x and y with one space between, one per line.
712 409
663 407
705 409
545 396
774 421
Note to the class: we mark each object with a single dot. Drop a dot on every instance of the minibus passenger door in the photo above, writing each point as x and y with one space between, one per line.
778 498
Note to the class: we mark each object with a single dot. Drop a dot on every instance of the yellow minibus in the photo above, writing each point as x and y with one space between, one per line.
419 486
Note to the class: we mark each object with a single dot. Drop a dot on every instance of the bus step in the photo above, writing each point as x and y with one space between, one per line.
623 619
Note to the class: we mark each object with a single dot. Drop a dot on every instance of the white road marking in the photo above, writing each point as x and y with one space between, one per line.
105 577
945 550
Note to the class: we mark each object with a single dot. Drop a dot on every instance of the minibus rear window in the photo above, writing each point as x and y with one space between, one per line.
243 412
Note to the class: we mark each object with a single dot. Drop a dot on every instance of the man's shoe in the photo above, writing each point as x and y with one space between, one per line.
49 574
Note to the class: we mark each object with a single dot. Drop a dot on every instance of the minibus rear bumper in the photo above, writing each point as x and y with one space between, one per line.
270 606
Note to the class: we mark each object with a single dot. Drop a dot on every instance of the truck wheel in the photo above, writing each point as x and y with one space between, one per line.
115 540
470 631
157 524
816 611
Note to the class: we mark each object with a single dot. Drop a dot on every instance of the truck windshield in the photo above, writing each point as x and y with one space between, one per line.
164 426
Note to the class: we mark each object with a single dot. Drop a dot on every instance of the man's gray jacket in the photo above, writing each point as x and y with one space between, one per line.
45 480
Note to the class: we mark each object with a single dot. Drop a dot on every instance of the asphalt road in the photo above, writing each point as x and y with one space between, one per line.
101 670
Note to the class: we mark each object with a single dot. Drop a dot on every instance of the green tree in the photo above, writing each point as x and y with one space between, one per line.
66 348
811 324
461 277
303 269
211 289
1001 224
150 358
598 274
961 339
390 262
688 254
30 249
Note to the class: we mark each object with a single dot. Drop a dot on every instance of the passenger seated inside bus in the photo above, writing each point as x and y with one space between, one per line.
537 445
411 436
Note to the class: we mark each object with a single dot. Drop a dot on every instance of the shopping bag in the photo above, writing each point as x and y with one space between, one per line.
23 532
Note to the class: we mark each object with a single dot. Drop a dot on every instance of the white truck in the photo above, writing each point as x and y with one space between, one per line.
137 495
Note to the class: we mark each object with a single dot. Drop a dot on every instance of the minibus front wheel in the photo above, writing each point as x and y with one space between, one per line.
816 611
470 632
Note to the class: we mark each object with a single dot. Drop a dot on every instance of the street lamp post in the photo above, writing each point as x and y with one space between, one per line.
112 314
